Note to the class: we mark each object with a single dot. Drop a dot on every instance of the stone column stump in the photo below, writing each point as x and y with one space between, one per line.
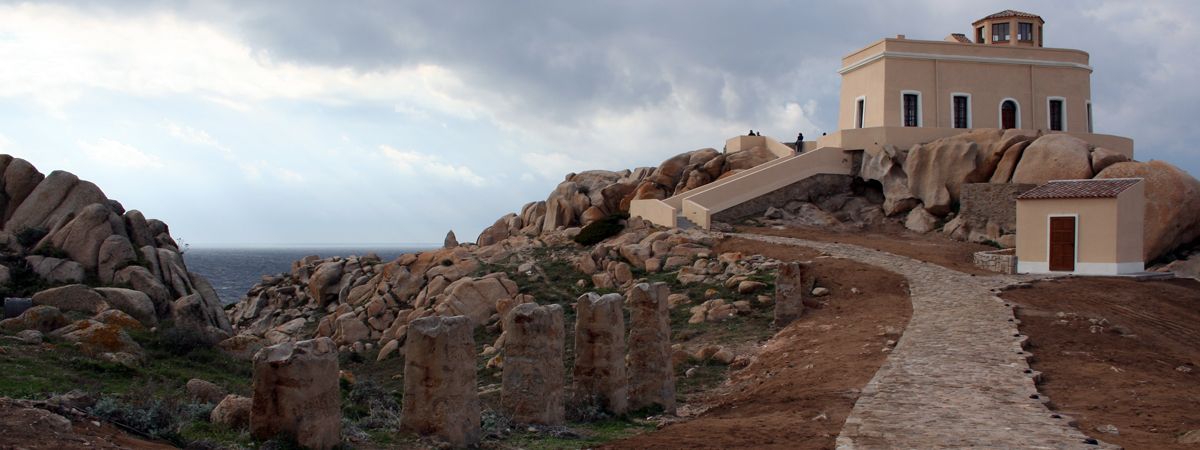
599 372
532 382
791 286
440 397
651 376
296 394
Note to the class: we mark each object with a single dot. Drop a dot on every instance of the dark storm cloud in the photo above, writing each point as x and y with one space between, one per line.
561 61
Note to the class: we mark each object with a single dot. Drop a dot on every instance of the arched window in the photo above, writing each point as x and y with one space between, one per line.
1010 114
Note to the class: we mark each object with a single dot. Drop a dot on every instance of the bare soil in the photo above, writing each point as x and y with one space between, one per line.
805 380
19 429
1118 352
932 247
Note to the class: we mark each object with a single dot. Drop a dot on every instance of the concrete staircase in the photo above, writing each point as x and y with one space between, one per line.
696 208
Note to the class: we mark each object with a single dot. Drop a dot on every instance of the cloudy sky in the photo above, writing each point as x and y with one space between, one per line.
305 122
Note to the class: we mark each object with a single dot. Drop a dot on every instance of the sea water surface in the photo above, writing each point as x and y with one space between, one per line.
232 271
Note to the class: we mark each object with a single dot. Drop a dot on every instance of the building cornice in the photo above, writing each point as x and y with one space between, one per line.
961 58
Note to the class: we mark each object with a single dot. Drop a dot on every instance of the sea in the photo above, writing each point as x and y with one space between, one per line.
232 271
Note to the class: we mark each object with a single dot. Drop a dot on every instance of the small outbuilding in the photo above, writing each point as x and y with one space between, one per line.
1086 227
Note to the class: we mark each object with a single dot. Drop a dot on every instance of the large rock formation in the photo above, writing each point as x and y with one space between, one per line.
1172 204
296 394
440 396
651 376
67 231
1054 157
532 382
600 376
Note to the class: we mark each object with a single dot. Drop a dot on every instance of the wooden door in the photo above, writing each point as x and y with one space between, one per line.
1008 114
1062 244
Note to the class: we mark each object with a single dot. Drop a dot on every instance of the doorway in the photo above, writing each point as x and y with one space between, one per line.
1008 114
1062 244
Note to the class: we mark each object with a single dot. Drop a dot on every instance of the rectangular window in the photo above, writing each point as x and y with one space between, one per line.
911 110
858 112
1000 32
1025 31
961 109
979 35
1056 115
1039 36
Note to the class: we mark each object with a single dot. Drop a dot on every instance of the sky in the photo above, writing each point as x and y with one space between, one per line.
388 122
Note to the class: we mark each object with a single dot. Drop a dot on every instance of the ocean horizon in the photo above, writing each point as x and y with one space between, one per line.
234 268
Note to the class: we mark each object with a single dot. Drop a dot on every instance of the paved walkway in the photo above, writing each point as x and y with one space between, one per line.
957 376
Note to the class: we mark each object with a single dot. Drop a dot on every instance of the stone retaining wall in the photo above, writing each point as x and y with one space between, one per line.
996 203
1003 261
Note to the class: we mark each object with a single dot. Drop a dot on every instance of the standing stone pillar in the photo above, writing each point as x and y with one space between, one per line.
790 289
296 394
651 377
532 383
600 352
440 396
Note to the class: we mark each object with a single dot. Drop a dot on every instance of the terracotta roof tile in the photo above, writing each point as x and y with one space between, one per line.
1011 13
1106 188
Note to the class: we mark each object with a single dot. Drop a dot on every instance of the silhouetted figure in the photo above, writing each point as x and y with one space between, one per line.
751 133
799 142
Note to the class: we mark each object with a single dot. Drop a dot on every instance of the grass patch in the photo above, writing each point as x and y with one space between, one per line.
587 435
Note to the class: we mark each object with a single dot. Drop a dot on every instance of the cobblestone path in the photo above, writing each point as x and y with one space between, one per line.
958 376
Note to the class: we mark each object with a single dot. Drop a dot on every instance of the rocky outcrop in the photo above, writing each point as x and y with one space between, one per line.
532 383
440 397
55 270
886 165
41 318
937 170
75 297
68 231
233 411
204 391
1054 157
296 394
1172 204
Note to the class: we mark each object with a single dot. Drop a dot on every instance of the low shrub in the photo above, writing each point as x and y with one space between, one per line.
180 341
154 417
51 251
601 229
28 237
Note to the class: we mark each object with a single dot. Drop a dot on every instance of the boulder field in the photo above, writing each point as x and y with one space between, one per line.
60 231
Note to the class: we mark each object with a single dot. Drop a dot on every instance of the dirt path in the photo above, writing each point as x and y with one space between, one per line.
958 377
804 381
1119 355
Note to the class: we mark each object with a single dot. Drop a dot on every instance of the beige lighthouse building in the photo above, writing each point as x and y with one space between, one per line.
999 76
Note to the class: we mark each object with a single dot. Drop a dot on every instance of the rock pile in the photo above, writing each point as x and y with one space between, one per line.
928 180
66 230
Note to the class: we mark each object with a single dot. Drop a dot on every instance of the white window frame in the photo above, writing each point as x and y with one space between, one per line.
1051 216
920 106
1064 112
860 112
1000 111
1091 126
969 118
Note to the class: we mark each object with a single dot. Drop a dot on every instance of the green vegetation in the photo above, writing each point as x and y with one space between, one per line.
28 237
149 400
601 229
